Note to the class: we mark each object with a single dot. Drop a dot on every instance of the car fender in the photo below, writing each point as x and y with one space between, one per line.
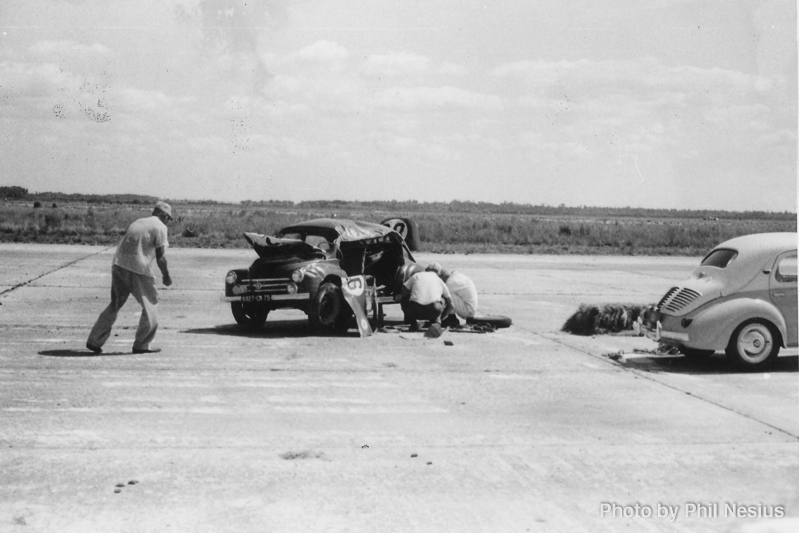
317 273
713 327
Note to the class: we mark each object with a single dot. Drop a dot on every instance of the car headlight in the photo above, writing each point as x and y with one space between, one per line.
231 278
297 275
239 289
291 288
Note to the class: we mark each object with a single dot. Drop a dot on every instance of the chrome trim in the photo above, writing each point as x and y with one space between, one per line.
272 286
677 299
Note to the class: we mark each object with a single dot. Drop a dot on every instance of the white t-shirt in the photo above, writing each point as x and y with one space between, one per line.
136 250
464 294
426 288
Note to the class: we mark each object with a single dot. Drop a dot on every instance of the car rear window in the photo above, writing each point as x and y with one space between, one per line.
720 258
786 269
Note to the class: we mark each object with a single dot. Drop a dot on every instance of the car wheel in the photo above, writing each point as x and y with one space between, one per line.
694 354
407 228
755 344
329 312
248 316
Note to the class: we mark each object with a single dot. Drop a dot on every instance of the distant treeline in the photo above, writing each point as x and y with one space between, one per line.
509 208
20 193
410 206
443 231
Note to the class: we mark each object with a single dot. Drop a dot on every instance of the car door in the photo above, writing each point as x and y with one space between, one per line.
782 291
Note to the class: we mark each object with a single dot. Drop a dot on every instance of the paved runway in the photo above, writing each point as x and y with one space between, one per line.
524 429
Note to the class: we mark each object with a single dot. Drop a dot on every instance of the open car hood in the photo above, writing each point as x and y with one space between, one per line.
268 247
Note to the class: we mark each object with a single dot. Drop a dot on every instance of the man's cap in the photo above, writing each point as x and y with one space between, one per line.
434 267
164 208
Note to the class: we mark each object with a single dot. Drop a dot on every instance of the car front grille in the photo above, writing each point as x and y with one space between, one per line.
267 285
677 299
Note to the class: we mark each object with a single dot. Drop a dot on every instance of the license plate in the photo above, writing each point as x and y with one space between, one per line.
250 298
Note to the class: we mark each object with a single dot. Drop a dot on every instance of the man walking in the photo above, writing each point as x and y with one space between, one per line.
144 243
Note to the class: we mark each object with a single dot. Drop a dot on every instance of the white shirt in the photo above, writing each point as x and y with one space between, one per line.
136 250
426 288
464 294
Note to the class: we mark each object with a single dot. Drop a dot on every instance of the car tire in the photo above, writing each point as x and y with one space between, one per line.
407 228
329 311
496 321
247 316
696 355
755 344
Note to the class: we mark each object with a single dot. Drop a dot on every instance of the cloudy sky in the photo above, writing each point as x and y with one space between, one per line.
645 103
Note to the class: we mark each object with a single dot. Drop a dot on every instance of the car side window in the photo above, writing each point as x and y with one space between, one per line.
786 268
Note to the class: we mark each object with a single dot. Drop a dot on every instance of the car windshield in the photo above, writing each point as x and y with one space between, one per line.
320 241
720 258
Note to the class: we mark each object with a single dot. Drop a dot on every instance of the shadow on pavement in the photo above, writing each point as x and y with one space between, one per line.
717 364
275 329
80 353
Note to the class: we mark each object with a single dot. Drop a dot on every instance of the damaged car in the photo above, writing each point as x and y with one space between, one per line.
741 299
332 269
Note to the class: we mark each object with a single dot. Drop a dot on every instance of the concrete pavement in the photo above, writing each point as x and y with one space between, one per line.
524 429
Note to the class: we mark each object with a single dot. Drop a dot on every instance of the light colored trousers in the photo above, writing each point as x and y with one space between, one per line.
123 284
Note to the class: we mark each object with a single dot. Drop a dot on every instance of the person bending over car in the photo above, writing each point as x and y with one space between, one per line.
425 297
144 243
463 291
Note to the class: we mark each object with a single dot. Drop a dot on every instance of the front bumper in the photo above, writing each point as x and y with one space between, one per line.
262 298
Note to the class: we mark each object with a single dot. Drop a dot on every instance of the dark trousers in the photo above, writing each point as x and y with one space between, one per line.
416 311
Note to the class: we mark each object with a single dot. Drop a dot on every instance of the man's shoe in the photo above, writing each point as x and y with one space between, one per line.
414 326
146 350
451 322
434 331
95 349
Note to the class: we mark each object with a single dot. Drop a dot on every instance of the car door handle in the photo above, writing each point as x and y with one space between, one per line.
778 294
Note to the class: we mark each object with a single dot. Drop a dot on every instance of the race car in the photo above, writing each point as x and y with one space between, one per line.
330 268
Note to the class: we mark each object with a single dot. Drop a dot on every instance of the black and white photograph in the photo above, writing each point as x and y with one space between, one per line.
398 266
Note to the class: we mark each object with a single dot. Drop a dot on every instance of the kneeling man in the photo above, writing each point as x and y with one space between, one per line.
464 293
425 297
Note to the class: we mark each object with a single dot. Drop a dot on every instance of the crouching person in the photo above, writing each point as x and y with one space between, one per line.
463 291
425 297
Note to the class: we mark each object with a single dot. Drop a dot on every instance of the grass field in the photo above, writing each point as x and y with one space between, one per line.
443 228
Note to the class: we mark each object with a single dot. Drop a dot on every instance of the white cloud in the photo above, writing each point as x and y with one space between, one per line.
31 80
419 98
67 48
212 143
452 69
400 64
136 100
323 52
585 79
281 108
